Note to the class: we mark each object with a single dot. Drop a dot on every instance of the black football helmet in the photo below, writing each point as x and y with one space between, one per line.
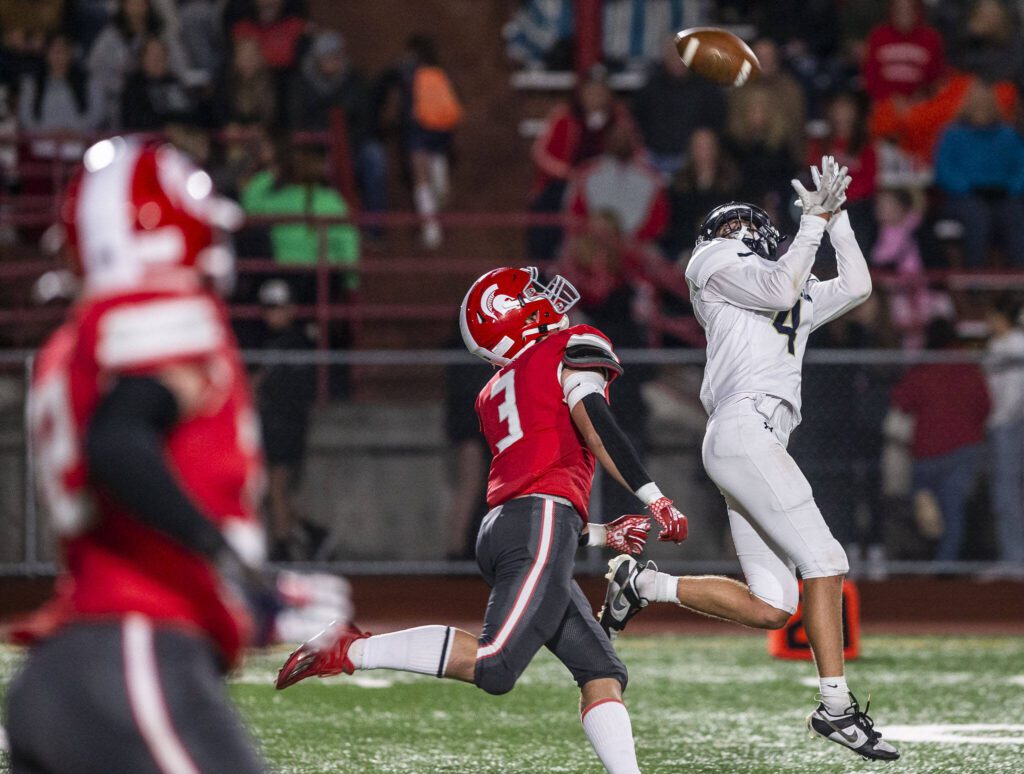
760 235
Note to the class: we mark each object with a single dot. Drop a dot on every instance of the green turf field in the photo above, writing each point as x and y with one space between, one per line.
699 704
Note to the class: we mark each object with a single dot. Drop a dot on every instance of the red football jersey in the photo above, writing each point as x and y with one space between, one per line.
523 415
116 563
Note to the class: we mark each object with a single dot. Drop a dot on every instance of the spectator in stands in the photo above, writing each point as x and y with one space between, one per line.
949 403
58 98
118 51
247 97
575 132
916 126
979 167
21 55
1004 365
708 178
671 106
896 253
988 42
284 398
430 113
61 98
783 94
153 96
619 182
905 57
847 139
294 185
327 81
279 32
202 33
758 140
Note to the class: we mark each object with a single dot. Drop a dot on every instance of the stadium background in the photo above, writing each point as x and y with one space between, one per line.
391 470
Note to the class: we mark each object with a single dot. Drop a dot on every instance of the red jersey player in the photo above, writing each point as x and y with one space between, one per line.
149 460
546 419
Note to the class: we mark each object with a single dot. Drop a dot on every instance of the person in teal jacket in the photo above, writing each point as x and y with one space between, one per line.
979 166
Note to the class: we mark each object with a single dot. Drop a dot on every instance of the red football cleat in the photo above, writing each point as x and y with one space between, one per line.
322 656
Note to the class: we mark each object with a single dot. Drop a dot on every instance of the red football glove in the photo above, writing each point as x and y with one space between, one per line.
627 534
672 522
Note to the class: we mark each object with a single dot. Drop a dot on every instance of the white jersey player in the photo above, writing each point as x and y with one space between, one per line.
757 310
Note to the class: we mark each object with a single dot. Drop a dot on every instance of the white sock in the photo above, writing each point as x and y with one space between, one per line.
424 650
834 694
657 586
606 723
439 175
425 200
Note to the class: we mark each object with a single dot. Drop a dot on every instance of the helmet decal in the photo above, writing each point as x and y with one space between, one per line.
495 304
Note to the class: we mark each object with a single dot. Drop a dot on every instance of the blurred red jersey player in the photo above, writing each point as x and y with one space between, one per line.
148 458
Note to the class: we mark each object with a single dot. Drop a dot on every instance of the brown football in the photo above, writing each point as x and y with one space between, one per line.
717 55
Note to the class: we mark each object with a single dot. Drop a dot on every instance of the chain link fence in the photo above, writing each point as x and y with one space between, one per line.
390 470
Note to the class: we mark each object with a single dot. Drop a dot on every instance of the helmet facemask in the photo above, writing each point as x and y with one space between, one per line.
753 227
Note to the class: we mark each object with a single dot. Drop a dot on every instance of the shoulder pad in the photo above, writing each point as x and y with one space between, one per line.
589 350
147 333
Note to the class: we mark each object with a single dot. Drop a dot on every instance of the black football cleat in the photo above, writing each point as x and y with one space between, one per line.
622 600
853 729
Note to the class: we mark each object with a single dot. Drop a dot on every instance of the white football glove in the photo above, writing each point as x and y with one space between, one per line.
830 186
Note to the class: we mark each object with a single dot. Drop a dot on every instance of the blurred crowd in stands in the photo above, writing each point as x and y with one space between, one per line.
255 71
919 100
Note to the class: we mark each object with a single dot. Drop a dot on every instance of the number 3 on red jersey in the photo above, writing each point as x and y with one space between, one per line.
507 411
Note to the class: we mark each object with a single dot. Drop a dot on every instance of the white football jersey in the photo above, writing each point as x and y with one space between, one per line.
757 314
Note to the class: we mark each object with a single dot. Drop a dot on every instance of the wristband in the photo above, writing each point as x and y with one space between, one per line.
598 535
648 493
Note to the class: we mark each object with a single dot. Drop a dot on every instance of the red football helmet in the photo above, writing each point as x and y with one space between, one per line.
496 313
136 212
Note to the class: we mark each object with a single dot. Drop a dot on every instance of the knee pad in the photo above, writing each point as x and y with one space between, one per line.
493 677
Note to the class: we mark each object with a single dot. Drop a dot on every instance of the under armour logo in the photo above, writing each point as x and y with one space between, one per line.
768 427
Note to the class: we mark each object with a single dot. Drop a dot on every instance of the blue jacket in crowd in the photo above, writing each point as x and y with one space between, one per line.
980 157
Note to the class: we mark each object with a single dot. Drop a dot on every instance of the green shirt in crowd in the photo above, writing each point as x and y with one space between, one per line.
298 243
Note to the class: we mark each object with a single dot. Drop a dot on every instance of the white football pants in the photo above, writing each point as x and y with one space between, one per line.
776 525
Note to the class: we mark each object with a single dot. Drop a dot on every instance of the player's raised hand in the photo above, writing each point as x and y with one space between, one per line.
627 534
673 523
829 194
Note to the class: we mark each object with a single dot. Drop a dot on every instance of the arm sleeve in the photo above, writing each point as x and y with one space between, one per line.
773 288
615 442
124 451
851 288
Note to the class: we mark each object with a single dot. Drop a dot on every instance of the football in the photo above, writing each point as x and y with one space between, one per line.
717 55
